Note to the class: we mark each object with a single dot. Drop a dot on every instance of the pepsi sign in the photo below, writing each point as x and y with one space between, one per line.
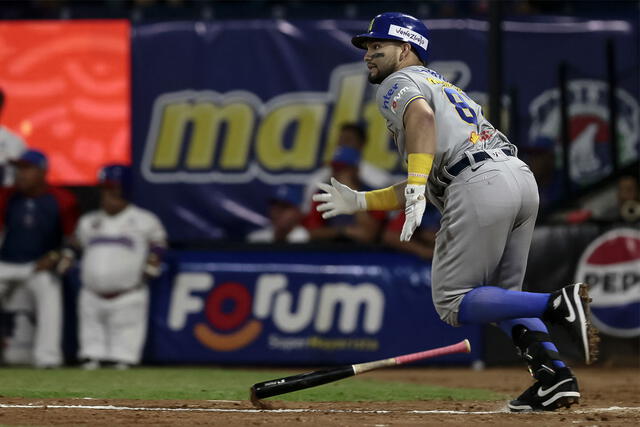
611 266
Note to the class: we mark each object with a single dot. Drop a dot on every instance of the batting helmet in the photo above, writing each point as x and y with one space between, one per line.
116 175
397 26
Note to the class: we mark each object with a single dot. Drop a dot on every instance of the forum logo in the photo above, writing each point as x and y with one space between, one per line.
229 317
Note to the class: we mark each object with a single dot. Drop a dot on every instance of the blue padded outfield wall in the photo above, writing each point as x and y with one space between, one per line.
296 308
224 111
306 306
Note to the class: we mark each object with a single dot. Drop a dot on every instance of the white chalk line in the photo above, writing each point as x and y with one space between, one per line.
302 410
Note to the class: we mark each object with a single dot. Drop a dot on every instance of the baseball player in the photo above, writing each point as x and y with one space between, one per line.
11 147
121 245
488 199
35 219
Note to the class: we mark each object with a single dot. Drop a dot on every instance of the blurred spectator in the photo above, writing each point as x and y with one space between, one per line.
423 240
624 207
627 207
363 227
11 147
122 245
35 218
286 218
541 158
351 135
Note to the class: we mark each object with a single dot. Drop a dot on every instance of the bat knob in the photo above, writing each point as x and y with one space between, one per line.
260 404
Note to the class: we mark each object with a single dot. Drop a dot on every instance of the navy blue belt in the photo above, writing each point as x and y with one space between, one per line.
464 163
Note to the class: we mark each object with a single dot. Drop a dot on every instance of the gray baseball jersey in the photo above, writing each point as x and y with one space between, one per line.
488 210
461 126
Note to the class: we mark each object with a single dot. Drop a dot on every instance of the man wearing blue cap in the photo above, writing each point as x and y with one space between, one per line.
488 199
35 219
286 217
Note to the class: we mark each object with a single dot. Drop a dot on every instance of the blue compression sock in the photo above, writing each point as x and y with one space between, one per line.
490 304
532 325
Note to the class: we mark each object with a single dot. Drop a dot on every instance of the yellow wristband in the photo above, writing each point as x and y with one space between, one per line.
382 200
419 166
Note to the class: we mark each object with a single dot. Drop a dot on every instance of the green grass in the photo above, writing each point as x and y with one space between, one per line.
209 383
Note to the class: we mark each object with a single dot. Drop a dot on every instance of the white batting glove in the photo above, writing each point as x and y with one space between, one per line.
414 209
338 199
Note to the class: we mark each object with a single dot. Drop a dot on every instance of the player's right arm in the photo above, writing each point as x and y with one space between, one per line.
405 107
339 199
420 143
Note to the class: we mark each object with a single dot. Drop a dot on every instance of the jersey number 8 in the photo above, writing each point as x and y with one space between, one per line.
464 111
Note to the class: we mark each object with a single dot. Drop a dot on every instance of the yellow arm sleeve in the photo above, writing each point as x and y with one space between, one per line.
386 199
419 166
382 200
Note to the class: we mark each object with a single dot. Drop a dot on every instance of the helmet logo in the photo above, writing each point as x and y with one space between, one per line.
408 36
371 25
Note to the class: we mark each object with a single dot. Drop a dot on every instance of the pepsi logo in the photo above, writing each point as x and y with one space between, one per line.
611 266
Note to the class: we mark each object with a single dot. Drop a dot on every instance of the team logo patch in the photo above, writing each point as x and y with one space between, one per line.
387 96
590 151
474 137
394 102
611 266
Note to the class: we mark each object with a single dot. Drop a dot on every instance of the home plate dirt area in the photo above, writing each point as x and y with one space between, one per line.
609 397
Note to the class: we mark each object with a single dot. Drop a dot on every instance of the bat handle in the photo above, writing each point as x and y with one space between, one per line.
461 347
370 366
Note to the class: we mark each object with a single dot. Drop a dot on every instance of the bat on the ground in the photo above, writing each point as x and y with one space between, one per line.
311 379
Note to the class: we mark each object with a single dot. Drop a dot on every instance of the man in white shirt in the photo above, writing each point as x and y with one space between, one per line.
122 246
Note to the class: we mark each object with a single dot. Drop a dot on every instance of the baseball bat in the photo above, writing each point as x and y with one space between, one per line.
311 379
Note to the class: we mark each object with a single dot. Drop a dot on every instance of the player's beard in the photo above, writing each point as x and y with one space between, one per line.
382 73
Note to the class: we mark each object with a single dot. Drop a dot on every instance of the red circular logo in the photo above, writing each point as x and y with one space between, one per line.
235 294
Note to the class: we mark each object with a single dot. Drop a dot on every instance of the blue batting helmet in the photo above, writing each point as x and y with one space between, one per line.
397 26
116 175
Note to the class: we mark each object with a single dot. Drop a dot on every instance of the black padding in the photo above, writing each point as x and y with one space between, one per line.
538 358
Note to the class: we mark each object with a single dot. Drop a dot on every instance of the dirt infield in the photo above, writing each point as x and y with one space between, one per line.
610 397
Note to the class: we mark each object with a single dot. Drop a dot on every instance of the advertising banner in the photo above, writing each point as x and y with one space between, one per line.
224 111
606 257
297 308
67 92
611 266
